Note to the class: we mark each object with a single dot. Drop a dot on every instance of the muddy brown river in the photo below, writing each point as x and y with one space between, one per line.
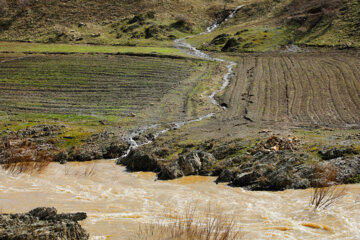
117 202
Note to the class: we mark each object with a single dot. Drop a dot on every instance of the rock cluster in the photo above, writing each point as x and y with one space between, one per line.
43 224
26 144
194 163
274 164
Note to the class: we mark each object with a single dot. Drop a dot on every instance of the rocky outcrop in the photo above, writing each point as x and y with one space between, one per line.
346 167
279 170
331 153
274 164
270 171
30 143
99 146
194 163
43 224
140 160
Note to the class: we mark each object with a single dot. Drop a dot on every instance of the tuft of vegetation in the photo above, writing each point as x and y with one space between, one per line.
214 225
355 180
23 157
325 192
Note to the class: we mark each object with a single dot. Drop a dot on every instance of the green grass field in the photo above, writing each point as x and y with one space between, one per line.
87 84
20 47
84 91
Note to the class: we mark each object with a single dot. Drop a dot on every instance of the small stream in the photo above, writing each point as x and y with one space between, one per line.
192 51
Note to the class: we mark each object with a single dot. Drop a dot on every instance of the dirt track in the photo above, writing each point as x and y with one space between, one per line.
297 89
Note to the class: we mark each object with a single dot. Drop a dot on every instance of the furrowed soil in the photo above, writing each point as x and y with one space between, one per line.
88 85
93 93
303 89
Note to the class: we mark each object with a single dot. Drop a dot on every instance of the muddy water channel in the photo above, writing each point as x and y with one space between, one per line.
117 202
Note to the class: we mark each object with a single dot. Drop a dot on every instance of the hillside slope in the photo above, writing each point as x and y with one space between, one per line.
268 25
105 21
260 25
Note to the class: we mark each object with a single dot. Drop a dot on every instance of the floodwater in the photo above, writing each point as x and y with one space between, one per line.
117 202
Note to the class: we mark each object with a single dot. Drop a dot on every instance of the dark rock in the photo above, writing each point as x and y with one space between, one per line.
332 153
116 149
136 19
81 24
182 25
44 213
99 146
171 37
231 45
86 153
172 171
272 171
79 216
151 31
224 105
42 223
196 162
245 178
220 39
226 175
140 160
347 167
61 157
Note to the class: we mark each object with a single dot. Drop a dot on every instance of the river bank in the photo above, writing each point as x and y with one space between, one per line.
117 202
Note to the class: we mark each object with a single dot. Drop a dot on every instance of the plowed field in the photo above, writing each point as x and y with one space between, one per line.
87 84
299 89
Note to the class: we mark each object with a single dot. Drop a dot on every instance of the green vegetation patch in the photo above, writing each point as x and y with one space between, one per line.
85 48
355 180
338 30
255 39
96 85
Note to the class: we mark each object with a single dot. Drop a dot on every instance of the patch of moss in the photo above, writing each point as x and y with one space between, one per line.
355 180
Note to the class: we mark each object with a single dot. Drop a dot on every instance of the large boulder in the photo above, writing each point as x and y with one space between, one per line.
346 167
99 146
140 160
42 223
194 163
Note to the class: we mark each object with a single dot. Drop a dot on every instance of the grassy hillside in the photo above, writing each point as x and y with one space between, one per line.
267 25
261 25
124 22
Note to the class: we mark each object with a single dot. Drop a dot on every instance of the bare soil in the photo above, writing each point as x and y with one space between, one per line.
302 89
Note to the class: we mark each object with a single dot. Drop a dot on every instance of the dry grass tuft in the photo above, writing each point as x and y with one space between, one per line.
213 225
21 156
325 192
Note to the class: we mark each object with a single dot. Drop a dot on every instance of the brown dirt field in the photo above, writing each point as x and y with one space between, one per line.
303 89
